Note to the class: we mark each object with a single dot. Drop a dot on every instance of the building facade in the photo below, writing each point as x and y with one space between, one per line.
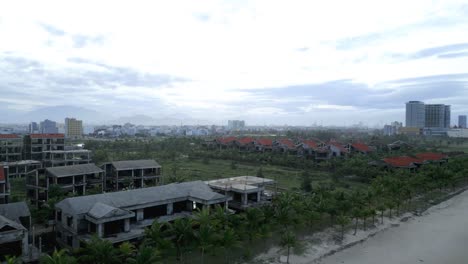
4 185
131 174
462 121
415 114
73 128
48 127
437 116
11 147
236 124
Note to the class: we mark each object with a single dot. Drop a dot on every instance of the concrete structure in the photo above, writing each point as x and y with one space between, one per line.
245 191
76 179
285 145
73 128
462 121
48 127
263 144
458 133
11 147
4 185
19 169
337 149
131 174
314 149
392 129
35 145
54 158
415 114
437 116
236 124
123 216
15 220
33 128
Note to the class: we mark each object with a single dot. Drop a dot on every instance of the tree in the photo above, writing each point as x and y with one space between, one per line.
146 255
182 230
205 237
288 241
228 240
126 251
306 182
260 172
343 220
155 237
233 165
99 251
58 257
12 260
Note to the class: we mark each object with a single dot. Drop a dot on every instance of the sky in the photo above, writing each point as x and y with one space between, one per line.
266 62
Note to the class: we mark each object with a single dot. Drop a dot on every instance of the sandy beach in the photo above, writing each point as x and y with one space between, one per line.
438 236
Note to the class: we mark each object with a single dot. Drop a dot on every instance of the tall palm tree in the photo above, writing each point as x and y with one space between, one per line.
204 237
203 216
146 255
99 251
288 241
58 257
126 251
228 240
12 260
182 230
342 220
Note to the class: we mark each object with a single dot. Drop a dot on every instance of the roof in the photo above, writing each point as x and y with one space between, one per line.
124 199
14 211
47 135
80 169
239 183
9 136
245 141
226 140
100 210
310 143
361 147
287 142
402 161
5 222
2 173
266 142
338 145
135 164
430 156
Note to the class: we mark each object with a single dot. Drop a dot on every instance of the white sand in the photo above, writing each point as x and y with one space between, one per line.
440 236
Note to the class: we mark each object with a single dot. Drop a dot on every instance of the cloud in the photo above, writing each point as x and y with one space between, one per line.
440 50
453 55
52 30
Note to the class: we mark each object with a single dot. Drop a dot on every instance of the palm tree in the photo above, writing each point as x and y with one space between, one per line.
227 241
203 216
58 257
126 251
288 241
146 255
12 260
155 237
99 251
182 230
343 220
356 213
204 237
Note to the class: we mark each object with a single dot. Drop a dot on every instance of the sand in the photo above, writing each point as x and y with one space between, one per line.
439 236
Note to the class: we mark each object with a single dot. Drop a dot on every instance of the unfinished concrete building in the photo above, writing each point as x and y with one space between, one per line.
37 144
123 216
19 169
11 147
131 174
53 158
15 221
4 185
76 179
245 191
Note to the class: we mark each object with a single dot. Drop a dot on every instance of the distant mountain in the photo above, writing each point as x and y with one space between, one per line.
59 113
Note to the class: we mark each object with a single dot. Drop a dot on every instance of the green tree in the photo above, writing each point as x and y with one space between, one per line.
205 238
260 173
227 241
12 260
343 220
146 255
182 231
99 251
306 182
58 257
288 241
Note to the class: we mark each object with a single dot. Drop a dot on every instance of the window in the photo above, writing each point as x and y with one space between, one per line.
69 221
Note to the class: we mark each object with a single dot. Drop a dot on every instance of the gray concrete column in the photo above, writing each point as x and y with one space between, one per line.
140 215
259 195
169 208
127 225
244 199
100 230
25 244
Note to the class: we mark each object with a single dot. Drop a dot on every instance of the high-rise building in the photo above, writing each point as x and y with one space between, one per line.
236 124
462 121
437 116
48 127
415 114
33 128
73 128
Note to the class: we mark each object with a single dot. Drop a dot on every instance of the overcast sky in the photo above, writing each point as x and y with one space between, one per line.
268 62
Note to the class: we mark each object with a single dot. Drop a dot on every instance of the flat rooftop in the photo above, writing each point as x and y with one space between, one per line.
239 183
21 162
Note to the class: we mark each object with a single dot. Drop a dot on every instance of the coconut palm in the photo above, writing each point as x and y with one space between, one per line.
12 260
58 257
205 237
146 255
228 240
126 251
343 220
99 251
182 230
288 241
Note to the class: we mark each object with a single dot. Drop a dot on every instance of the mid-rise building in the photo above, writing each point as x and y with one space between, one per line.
11 147
415 114
73 128
33 128
131 174
437 116
236 124
48 127
36 145
4 185
462 121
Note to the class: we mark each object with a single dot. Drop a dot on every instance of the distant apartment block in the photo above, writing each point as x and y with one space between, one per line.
462 121
236 124
415 114
437 116
131 174
123 216
245 191
75 179
73 128
48 127
11 147
33 128
4 185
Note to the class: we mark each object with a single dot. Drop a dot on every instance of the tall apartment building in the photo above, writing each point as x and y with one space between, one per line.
11 147
415 114
437 116
33 128
462 121
48 127
73 128
236 124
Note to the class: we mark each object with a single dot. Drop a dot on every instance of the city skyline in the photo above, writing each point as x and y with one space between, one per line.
256 61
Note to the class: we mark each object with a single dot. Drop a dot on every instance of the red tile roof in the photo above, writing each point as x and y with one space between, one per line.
245 141
430 156
310 143
47 136
403 161
2 174
226 140
338 145
266 142
8 136
287 142
361 147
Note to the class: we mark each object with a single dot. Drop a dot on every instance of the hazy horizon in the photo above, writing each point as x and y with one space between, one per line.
265 62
